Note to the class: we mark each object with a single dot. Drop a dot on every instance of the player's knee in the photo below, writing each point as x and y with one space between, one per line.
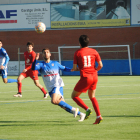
5 82
19 80
55 102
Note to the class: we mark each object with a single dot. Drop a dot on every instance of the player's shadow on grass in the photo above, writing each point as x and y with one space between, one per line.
35 123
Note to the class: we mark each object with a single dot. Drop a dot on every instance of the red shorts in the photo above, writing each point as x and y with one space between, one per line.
85 83
31 73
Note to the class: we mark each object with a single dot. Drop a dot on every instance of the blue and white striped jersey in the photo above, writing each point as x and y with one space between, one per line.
50 73
4 58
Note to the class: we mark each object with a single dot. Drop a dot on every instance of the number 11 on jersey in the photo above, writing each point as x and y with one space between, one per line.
87 61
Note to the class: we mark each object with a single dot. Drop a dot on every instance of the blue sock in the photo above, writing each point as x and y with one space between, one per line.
68 107
65 105
78 113
68 110
11 80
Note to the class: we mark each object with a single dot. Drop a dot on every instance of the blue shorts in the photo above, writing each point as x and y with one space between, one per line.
58 90
3 73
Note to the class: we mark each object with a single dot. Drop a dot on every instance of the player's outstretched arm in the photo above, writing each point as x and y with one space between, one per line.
61 67
34 67
75 68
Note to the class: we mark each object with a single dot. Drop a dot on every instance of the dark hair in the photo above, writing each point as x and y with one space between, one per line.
45 49
30 43
84 40
1 41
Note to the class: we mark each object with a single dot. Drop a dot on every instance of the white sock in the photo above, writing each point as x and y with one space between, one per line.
98 116
73 109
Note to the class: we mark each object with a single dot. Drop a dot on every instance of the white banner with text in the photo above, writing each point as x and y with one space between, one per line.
13 67
24 16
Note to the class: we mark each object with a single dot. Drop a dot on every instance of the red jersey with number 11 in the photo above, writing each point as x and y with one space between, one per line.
85 59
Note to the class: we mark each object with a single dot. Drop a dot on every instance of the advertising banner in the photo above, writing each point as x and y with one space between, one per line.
135 12
24 16
90 14
13 67
90 23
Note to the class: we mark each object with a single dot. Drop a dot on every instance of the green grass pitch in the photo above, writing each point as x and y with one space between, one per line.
34 118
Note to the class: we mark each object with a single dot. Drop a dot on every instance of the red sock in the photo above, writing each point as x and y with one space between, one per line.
80 102
43 90
96 106
19 87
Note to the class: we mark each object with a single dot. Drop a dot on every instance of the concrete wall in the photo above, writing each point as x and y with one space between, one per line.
12 40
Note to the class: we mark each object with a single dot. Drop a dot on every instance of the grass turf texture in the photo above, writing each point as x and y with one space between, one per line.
34 118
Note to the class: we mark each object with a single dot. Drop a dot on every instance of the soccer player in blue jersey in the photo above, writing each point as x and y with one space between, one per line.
4 59
50 73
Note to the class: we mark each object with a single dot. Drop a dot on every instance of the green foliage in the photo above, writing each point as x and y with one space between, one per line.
34 118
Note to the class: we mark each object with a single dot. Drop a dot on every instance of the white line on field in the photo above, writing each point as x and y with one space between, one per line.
17 91
20 101
74 84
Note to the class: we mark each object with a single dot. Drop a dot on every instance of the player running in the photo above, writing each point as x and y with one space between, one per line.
4 59
50 73
85 59
28 72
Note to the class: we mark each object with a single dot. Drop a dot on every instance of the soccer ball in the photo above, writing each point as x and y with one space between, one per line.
40 27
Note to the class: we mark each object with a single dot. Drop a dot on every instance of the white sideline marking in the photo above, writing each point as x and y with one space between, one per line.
17 91
20 101
74 84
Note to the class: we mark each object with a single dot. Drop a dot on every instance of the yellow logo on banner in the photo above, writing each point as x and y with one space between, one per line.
90 23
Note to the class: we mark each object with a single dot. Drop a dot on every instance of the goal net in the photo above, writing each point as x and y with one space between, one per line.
116 59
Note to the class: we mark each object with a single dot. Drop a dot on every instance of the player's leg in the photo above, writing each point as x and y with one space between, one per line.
34 76
91 94
75 96
80 102
19 84
41 88
4 77
57 99
82 86
5 80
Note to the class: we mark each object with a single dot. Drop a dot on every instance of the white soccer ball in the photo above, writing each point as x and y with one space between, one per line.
40 27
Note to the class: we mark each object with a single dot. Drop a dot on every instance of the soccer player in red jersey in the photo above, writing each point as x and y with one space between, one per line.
85 59
28 72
